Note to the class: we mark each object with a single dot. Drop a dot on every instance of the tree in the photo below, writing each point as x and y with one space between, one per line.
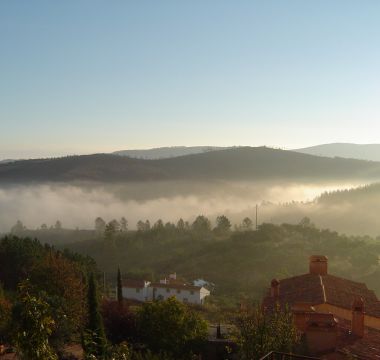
111 229
158 225
5 317
181 225
119 288
171 327
123 224
140 225
147 225
119 322
223 225
306 223
260 332
246 224
34 324
18 228
58 225
169 226
63 282
100 225
94 340
201 225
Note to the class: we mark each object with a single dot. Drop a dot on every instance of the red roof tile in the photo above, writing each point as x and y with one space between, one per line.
319 289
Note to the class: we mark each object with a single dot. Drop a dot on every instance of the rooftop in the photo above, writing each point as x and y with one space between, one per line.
319 289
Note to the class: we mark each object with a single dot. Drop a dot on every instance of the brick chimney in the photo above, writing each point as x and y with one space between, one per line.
357 323
274 288
318 265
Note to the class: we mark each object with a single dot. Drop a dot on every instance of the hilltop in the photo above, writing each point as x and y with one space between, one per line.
370 152
167 152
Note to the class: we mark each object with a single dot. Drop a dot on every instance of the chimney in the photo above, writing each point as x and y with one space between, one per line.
318 265
357 323
275 288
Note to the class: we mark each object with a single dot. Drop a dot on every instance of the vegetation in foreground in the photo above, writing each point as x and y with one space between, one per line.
50 299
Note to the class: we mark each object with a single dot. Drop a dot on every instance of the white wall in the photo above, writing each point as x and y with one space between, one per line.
183 295
139 294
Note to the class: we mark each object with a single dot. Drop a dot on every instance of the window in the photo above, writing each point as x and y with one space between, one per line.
168 290
137 290
178 291
191 292
185 300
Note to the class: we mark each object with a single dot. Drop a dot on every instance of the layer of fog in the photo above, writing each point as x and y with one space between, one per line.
76 206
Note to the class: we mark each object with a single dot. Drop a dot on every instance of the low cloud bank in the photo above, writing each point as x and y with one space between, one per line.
78 205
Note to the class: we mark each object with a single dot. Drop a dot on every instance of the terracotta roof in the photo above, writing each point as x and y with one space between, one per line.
319 289
366 348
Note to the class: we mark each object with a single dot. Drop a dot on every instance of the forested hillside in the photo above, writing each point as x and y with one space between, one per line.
231 164
240 262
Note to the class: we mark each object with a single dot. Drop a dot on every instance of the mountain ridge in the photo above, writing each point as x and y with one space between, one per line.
244 163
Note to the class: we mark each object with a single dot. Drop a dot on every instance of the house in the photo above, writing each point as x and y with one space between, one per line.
337 316
137 290
141 290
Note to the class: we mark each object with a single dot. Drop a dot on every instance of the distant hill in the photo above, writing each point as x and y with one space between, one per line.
167 152
369 152
242 164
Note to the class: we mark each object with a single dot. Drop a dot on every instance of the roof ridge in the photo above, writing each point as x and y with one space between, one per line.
323 289
345 279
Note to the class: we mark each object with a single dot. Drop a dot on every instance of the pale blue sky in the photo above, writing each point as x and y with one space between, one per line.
82 76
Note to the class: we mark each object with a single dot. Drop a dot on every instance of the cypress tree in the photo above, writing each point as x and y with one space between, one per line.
119 288
95 335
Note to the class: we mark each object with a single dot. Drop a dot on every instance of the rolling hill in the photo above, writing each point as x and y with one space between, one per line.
244 164
370 152
167 152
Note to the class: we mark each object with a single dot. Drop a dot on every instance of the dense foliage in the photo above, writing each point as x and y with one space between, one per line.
94 338
258 333
240 262
172 327
34 325
45 288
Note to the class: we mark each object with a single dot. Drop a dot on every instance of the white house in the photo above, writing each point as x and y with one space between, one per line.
185 293
136 290
142 290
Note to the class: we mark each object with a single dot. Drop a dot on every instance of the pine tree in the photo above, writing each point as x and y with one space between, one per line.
119 288
94 339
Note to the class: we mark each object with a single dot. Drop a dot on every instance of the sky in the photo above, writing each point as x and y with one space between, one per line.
97 76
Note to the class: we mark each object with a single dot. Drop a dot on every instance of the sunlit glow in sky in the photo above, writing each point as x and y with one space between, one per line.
97 76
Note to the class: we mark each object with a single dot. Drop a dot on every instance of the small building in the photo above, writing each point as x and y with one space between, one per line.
185 293
337 316
137 290
142 290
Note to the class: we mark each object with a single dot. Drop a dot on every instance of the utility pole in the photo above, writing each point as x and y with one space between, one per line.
257 209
